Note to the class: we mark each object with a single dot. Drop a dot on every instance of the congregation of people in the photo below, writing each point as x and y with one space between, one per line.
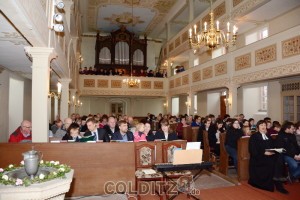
122 72
266 166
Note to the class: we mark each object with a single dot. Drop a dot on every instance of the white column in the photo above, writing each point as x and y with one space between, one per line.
64 107
49 109
73 101
191 101
55 107
68 10
41 58
232 99
169 104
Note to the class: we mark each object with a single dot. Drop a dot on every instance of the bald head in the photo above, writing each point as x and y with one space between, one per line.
26 127
67 122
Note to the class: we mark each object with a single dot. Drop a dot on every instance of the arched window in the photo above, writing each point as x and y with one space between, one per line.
138 57
104 56
122 53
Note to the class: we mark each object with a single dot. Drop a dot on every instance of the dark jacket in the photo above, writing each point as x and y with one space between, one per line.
288 142
232 137
118 136
159 135
102 135
150 136
108 130
69 137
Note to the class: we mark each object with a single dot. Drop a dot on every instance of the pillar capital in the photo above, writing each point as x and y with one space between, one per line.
40 52
65 81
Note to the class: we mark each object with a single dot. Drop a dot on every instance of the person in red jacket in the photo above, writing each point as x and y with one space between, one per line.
22 133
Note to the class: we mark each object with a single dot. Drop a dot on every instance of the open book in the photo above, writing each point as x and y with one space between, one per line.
278 150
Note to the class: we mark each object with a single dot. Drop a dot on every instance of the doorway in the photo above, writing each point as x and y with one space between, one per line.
117 109
222 105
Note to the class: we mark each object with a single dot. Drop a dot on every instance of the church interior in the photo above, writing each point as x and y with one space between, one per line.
139 62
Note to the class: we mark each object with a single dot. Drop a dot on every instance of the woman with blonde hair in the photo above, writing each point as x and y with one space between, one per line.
139 133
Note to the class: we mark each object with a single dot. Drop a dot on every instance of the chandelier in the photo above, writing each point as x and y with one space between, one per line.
131 82
212 36
75 103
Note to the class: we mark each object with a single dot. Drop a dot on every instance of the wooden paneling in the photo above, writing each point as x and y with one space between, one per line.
94 164
224 157
243 159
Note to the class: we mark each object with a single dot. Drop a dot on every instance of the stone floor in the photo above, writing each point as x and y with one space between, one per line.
204 181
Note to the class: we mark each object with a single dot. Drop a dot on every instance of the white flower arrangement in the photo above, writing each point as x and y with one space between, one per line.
41 176
59 171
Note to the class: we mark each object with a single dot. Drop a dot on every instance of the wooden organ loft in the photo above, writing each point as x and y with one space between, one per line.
119 49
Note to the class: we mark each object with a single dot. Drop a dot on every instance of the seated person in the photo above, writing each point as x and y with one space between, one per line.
123 134
180 126
58 130
214 136
233 134
148 132
72 133
139 133
94 133
111 127
197 121
287 139
22 133
165 133
297 127
265 167
150 73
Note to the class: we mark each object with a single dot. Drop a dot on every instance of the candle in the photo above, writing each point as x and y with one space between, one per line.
227 37
195 29
217 25
58 87
228 26
234 30
198 37
205 26
190 31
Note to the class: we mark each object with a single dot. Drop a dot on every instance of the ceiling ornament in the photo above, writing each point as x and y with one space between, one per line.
13 37
124 19
160 8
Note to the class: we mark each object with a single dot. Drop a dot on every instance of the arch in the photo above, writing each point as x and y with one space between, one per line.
105 56
138 58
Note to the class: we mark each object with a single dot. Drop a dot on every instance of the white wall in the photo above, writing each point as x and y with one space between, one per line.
153 50
175 106
284 22
182 106
202 104
251 101
134 106
88 51
213 103
15 104
274 101
16 97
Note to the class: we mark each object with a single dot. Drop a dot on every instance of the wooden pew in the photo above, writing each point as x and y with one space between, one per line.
195 133
224 157
187 133
206 147
94 164
243 157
